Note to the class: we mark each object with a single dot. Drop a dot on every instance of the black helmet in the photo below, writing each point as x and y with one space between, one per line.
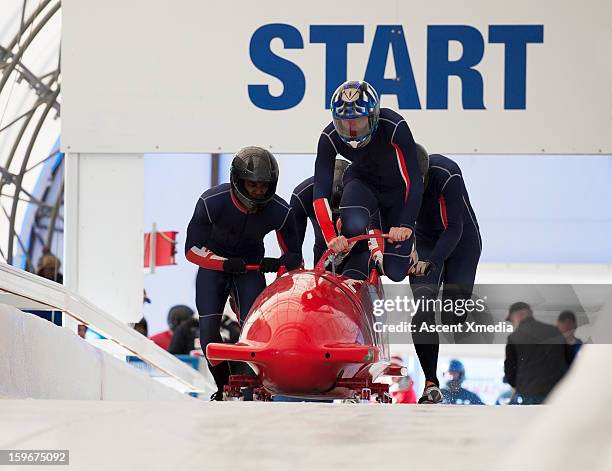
178 314
257 165
338 187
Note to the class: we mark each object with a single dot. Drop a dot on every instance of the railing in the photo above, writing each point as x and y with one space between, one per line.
26 291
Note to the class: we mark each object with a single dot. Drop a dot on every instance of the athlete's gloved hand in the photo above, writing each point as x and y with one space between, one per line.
422 268
234 265
291 261
339 244
269 265
399 234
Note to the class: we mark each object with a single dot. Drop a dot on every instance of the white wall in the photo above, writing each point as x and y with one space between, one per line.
574 432
176 78
103 241
42 361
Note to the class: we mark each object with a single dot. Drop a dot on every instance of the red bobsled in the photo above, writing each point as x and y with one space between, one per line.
310 334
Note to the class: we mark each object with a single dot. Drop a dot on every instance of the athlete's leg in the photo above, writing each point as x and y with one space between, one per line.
356 265
212 289
356 207
246 287
426 342
396 260
318 252
458 281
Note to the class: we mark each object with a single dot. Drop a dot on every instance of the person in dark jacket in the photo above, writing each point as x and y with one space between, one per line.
537 356
567 324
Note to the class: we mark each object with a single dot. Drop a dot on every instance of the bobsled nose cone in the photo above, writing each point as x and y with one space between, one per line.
297 365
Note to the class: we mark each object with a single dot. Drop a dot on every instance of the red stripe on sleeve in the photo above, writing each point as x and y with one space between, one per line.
281 243
403 170
443 214
205 259
321 207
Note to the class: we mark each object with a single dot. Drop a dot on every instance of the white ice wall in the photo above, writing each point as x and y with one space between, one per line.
42 361
575 432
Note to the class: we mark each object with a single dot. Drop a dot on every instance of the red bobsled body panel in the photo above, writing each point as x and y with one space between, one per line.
309 333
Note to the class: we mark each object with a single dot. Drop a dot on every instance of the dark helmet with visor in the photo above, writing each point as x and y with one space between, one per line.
254 164
355 110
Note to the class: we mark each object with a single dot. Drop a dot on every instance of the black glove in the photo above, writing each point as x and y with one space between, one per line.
234 265
269 265
291 261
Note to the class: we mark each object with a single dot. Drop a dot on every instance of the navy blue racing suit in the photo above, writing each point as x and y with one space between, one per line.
303 210
221 228
357 263
384 176
448 236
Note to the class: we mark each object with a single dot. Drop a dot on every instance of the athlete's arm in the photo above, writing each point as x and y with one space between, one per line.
300 217
451 209
198 234
323 181
408 164
288 242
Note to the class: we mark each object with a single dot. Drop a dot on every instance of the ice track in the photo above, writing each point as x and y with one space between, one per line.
187 435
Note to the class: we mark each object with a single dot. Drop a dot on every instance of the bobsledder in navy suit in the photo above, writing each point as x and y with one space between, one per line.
356 263
384 175
449 245
227 232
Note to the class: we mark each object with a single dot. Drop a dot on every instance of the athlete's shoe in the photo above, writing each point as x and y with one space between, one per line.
431 394
217 396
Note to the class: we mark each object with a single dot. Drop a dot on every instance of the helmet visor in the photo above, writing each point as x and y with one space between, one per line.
353 129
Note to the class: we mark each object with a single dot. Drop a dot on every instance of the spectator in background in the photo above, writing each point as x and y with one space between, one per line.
176 316
82 330
186 337
454 393
402 390
567 324
142 326
48 267
537 356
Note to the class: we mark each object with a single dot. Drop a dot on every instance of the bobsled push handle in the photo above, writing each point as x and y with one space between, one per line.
320 266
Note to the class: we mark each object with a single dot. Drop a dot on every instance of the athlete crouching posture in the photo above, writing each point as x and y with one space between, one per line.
449 246
356 264
384 176
227 232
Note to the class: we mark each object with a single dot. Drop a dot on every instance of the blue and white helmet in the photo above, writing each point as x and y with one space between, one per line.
355 110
